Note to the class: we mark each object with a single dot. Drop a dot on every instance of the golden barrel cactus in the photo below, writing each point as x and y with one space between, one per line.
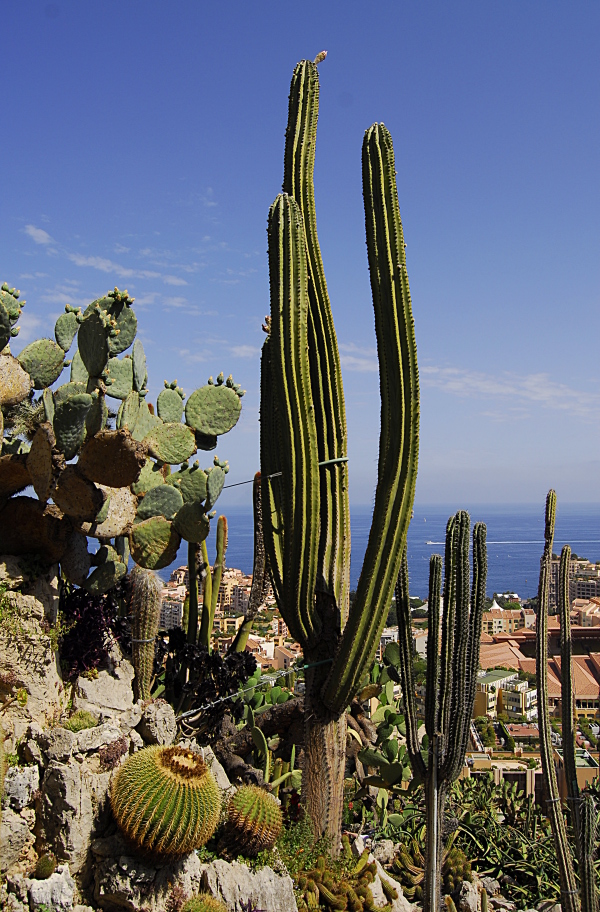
253 821
166 800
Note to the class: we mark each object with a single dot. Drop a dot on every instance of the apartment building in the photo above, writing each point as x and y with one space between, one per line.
502 691
171 614
584 581
389 635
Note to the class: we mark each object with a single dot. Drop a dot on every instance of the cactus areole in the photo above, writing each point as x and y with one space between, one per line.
304 442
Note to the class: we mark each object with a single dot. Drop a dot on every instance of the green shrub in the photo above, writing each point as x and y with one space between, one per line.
79 720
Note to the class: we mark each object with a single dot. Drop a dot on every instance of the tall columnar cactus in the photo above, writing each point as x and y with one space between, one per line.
259 571
451 678
212 582
568 886
145 607
304 442
582 806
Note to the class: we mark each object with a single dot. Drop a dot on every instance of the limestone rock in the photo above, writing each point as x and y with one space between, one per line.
217 770
383 851
401 904
56 892
358 846
57 743
123 881
109 695
158 725
90 739
491 886
14 839
468 898
130 718
20 784
73 806
26 656
232 882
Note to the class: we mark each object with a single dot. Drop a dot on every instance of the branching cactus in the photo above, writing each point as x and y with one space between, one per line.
118 487
451 678
145 605
568 885
304 443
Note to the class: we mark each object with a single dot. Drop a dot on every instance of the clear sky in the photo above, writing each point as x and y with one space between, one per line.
143 144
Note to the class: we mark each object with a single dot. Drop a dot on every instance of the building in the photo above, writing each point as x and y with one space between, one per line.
180 577
171 614
502 691
389 635
283 658
586 768
584 580
519 700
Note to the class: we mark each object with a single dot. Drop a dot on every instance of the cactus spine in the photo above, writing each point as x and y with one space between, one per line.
145 608
451 677
304 442
253 821
568 886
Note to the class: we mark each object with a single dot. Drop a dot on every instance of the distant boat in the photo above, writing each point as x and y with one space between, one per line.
429 543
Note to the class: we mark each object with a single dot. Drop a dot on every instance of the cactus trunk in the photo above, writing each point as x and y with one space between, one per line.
145 608
259 572
192 600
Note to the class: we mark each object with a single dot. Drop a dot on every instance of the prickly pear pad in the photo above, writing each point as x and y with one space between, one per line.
44 361
15 382
154 543
213 409
112 458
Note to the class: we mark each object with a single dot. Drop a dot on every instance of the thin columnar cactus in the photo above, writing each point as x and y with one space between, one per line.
304 442
568 886
259 571
582 806
451 678
212 582
145 605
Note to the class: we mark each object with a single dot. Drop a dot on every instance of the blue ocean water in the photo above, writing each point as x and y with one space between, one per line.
514 534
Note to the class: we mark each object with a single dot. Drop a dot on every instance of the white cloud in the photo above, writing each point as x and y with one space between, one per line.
355 358
173 280
520 389
28 325
38 235
245 351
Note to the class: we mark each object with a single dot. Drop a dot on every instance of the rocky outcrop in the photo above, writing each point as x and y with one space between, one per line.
158 725
15 839
110 695
234 883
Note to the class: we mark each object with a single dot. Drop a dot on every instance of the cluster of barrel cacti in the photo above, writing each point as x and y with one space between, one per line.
321 887
120 490
166 800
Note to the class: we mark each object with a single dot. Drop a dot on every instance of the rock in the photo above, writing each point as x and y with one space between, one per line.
12 904
133 883
73 807
137 742
232 882
109 695
57 744
358 846
549 905
499 902
158 725
56 892
17 884
26 655
32 752
400 904
90 739
491 886
15 838
19 785
217 770
80 908
383 851
131 718
468 897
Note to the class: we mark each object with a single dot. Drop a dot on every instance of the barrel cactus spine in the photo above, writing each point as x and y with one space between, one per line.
145 602
166 800
304 442
451 678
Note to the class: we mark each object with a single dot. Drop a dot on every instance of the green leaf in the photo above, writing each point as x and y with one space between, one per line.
391 655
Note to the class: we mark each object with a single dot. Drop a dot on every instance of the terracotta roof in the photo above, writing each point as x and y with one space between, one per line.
585 683
523 731
500 654
486 638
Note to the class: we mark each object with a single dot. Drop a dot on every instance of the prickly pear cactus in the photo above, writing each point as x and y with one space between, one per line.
114 487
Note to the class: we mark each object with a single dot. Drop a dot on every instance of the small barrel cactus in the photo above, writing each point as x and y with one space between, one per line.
253 821
203 902
166 800
45 867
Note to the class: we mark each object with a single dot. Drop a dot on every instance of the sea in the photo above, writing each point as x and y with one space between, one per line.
515 538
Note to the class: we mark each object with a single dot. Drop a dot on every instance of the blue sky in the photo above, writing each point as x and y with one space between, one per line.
143 145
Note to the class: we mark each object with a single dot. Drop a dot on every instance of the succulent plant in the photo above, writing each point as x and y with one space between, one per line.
169 403
10 311
145 602
44 361
45 866
254 821
214 409
165 799
203 902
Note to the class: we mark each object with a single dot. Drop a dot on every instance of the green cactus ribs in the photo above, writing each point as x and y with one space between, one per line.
165 799
254 821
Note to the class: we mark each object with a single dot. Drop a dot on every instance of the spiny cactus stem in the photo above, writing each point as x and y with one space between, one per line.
212 581
259 571
192 626
567 694
568 885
